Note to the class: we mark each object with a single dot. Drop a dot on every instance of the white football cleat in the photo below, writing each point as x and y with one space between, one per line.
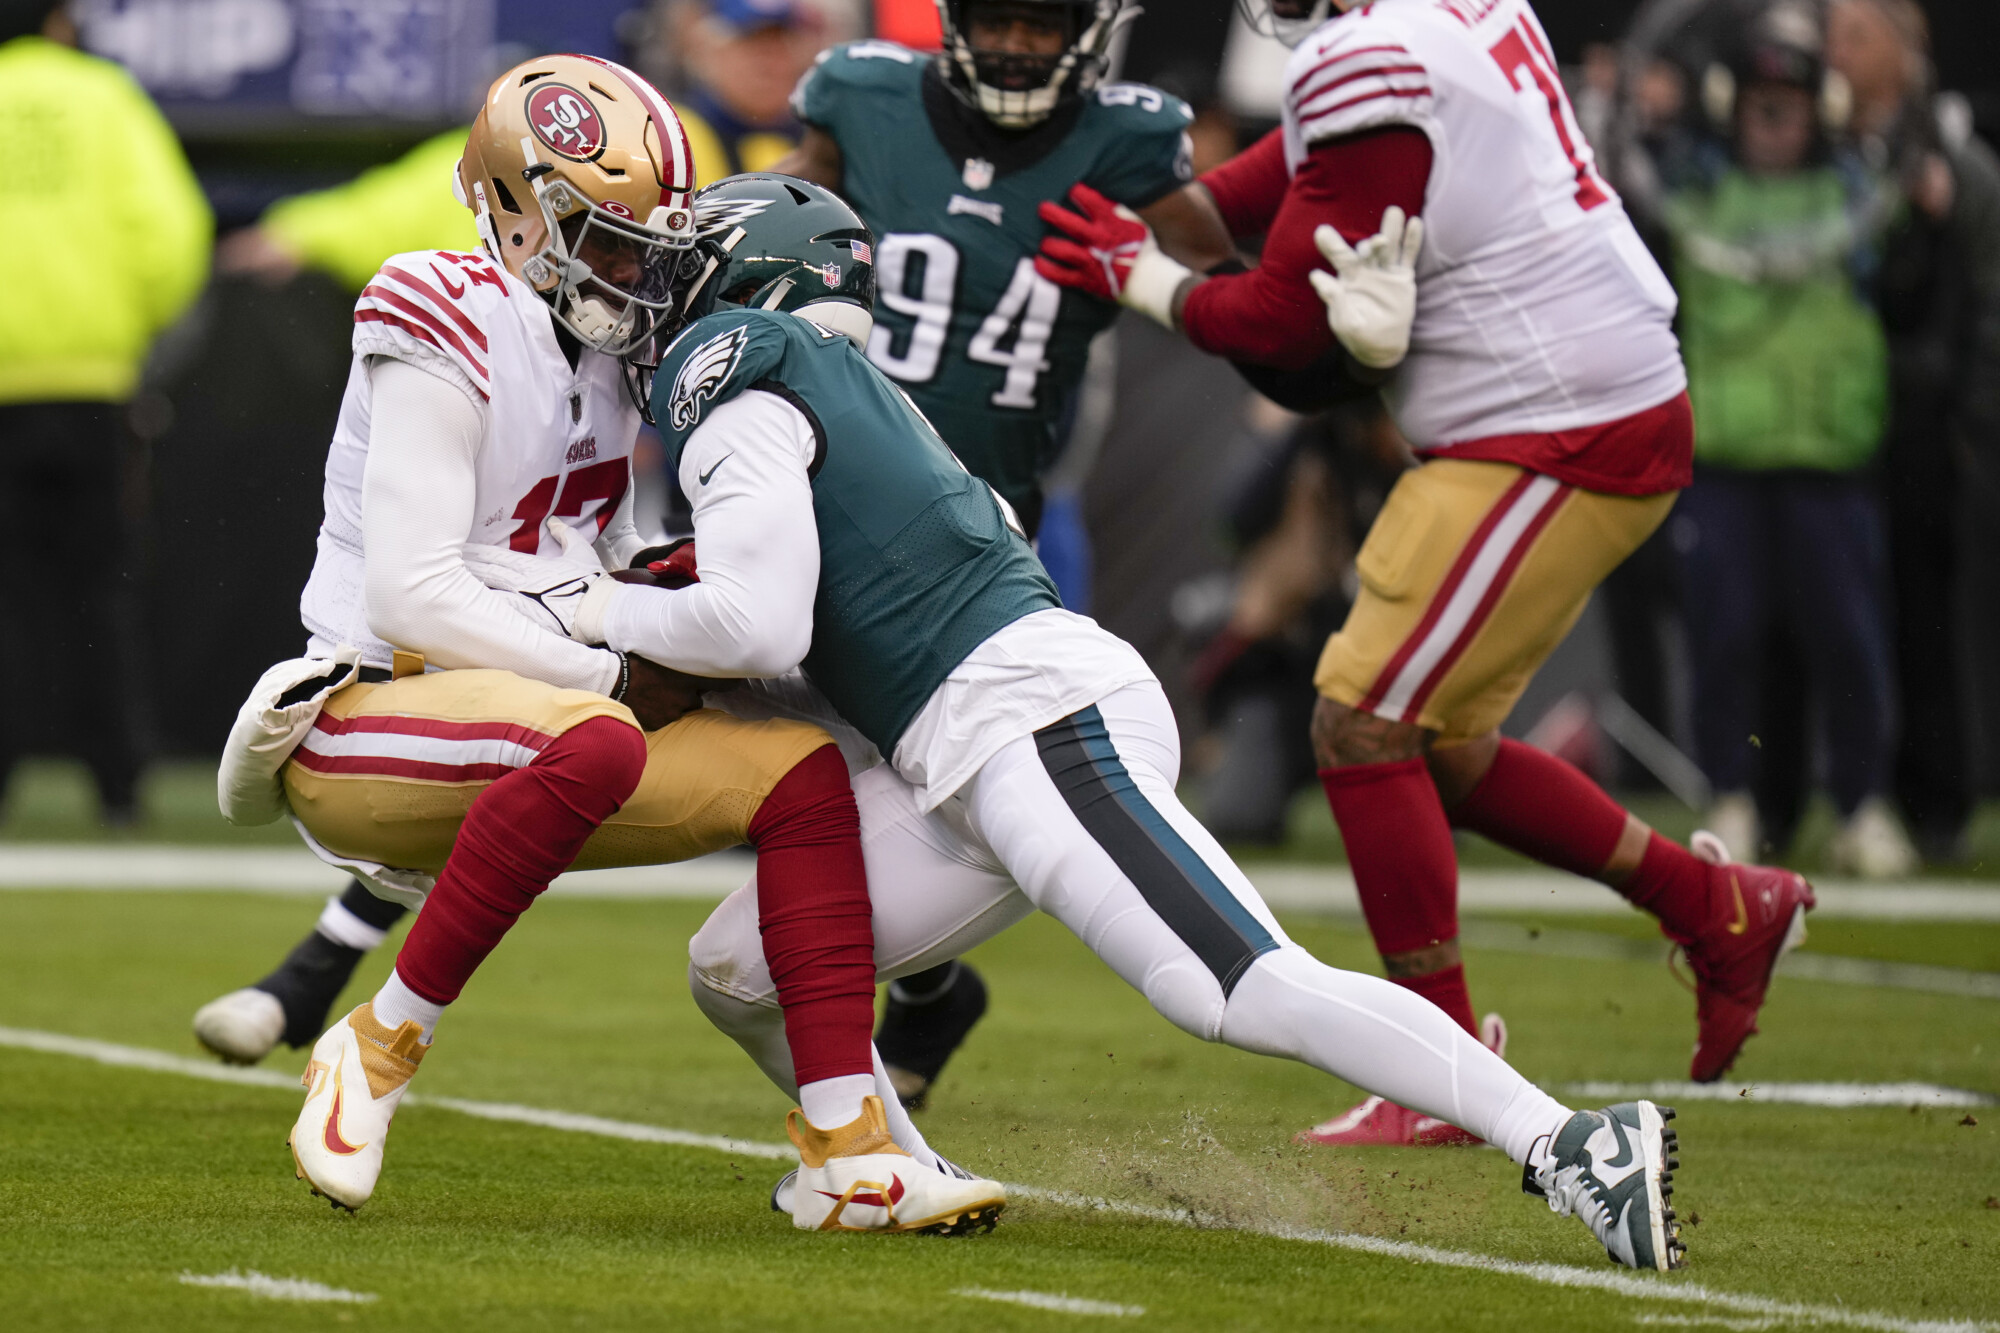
855 1178
242 1027
358 1074
1614 1169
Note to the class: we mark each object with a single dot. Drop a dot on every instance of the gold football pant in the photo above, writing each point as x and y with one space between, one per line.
389 770
1470 577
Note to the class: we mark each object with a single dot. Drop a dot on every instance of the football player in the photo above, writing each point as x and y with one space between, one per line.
946 159
1032 756
485 438
1536 372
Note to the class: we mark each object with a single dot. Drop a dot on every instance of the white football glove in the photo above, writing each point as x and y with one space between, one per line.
1373 302
562 593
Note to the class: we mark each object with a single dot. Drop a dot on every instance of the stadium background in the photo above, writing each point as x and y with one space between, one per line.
277 97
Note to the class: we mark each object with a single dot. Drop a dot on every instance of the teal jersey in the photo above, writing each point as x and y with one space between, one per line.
990 350
918 566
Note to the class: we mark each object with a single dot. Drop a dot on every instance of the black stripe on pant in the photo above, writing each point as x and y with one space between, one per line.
1180 887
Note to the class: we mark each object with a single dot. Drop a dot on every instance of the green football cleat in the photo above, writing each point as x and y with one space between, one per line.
1614 1168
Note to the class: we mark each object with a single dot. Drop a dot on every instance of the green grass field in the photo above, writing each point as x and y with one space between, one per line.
115 1182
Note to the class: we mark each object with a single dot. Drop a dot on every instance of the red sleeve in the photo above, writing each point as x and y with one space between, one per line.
1271 315
1249 187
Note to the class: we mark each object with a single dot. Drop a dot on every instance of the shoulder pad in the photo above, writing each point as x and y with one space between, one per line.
432 308
854 67
1140 106
1354 73
713 360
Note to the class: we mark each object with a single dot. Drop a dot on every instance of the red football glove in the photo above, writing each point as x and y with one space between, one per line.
671 566
678 569
1104 241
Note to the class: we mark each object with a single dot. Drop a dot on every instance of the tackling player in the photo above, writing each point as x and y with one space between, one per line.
1032 755
946 159
1536 372
487 423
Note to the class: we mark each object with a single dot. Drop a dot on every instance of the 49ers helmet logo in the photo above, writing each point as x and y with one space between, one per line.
564 119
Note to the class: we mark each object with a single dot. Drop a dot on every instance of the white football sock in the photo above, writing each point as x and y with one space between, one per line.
1390 1041
829 1103
760 1030
396 1004
901 1128
343 927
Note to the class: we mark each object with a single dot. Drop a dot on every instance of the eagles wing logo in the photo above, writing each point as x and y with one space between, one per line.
707 368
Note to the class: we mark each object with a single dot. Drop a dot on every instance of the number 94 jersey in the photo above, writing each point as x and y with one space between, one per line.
988 349
1538 308
558 441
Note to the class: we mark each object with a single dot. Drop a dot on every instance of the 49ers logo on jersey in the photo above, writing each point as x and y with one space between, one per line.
564 119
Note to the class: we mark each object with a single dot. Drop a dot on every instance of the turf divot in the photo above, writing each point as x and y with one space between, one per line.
1606 1280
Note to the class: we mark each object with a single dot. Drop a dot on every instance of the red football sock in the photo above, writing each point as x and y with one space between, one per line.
1543 807
1405 870
521 832
815 917
1674 885
1445 988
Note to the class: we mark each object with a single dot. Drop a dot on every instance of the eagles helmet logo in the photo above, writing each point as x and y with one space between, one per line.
564 119
707 368
720 216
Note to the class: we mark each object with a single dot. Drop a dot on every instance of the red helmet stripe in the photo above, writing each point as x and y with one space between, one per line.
673 138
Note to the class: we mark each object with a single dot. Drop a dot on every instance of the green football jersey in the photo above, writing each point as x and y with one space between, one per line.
918 566
990 350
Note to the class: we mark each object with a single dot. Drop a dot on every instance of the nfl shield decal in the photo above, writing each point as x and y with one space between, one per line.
978 173
564 119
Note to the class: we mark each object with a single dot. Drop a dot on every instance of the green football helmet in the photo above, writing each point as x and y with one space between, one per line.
780 243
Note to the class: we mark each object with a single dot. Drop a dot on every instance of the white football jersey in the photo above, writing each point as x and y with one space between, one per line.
1538 307
558 441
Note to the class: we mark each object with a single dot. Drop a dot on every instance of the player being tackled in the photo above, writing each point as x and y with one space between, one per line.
478 487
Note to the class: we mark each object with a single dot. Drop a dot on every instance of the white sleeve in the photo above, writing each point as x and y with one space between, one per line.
1353 75
746 469
418 492
620 540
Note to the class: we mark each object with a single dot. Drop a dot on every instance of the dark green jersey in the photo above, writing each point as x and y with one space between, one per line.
917 564
991 351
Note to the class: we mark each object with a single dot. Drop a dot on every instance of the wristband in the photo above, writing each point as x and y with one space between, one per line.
1152 282
624 676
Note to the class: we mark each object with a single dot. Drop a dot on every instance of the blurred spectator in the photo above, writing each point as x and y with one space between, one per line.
1774 232
111 238
1296 514
347 231
1940 302
730 67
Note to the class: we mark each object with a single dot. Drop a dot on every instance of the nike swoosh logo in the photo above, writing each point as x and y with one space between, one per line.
896 1192
335 1142
1742 921
718 463
445 282
1624 1157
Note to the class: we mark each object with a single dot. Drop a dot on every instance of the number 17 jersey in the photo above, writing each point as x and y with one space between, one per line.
557 439
988 349
1538 308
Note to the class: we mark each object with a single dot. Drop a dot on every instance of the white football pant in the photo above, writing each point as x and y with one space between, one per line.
1080 820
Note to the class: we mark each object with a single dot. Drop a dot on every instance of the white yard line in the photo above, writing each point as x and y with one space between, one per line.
1043 1300
1618 1283
1288 887
1789 1094
276 1288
